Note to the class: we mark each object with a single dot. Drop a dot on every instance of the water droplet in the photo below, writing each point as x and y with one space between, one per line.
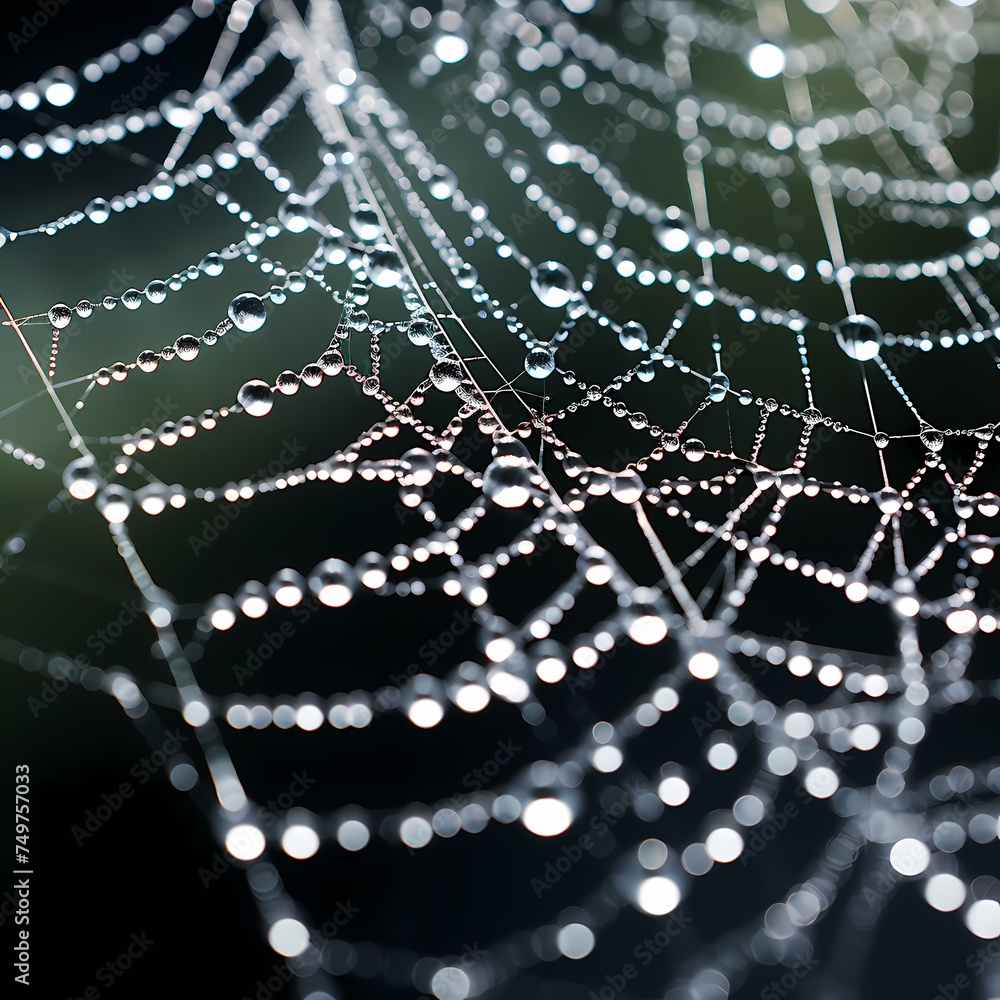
178 109
466 276
694 449
333 582
311 375
539 362
881 440
295 215
296 282
763 478
718 386
256 398
365 223
288 383
633 336
60 315
671 442
446 375
932 440
507 485
420 332
443 183
670 237
256 234
859 337
114 502
147 361
156 292
211 264
247 312
98 211
790 482
553 284
383 266
82 478
626 487
332 362
488 423
644 370
746 397
187 347
889 501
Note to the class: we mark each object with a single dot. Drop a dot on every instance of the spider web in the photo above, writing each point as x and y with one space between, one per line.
559 549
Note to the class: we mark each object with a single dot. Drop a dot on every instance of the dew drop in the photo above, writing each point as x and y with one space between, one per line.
446 375
539 362
859 337
633 336
60 315
553 284
694 449
187 347
718 386
247 312
256 398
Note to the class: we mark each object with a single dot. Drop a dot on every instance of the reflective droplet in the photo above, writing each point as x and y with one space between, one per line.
539 362
888 500
132 298
881 440
211 264
718 386
553 284
256 234
365 223
644 370
60 315
931 439
114 502
383 266
670 237
446 375
247 312
420 332
98 211
790 482
256 398
84 308
633 336
187 347
694 449
626 487
333 582
147 361
443 183
859 337
82 478
288 383
507 485
178 109
466 276
332 362
763 478
295 215
311 375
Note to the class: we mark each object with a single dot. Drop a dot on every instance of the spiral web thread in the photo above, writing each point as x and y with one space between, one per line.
901 826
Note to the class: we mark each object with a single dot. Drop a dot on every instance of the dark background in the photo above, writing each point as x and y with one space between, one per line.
140 873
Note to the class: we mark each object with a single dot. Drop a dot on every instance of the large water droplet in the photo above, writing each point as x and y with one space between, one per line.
932 439
179 110
383 266
694 449
443 183
156 292
256 398
670 237
247 312
211 264
333 582
718 386
420 332
60 315
187 347
859 337
633 336
540 362
98 211
553 284
446 375
365 223
114 502
82 478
